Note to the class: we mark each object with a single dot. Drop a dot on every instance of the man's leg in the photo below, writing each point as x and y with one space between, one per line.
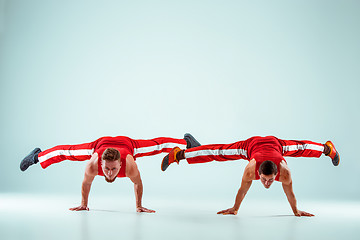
207 153
155 146
217 152
78 152
305 148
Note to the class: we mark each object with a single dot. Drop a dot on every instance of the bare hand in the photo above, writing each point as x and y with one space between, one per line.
230 211
79 208
142 209
302 213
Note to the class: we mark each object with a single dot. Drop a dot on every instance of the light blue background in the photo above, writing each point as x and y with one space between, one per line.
73 71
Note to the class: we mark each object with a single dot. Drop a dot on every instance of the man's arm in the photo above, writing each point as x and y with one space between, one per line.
133 173
245 185
90 173
288 189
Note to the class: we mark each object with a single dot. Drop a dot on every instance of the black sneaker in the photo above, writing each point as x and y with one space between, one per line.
191 142
30 159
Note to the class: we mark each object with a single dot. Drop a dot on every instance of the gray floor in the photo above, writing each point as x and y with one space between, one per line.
46 216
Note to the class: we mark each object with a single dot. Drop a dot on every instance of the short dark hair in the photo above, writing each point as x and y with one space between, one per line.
111 154
268 168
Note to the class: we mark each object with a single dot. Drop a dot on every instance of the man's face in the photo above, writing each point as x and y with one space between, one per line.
267 180
110 169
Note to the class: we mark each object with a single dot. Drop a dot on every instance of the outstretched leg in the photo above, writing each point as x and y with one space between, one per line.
206 153
78 152
305 148
155 146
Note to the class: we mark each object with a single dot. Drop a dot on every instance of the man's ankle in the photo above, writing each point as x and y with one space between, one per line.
326 150
36 158
180 155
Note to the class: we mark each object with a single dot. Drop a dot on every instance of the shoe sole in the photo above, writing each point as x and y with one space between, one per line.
165 163
336 160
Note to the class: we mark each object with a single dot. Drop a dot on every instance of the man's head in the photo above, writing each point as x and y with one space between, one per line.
110 163
267 173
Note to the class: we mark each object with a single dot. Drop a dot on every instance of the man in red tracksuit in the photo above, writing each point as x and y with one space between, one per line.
110 157
266 162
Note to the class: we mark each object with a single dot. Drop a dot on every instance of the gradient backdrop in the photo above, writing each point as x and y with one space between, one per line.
73 71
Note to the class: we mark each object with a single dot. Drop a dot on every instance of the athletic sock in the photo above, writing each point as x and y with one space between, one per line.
36 158
326 150
180 155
